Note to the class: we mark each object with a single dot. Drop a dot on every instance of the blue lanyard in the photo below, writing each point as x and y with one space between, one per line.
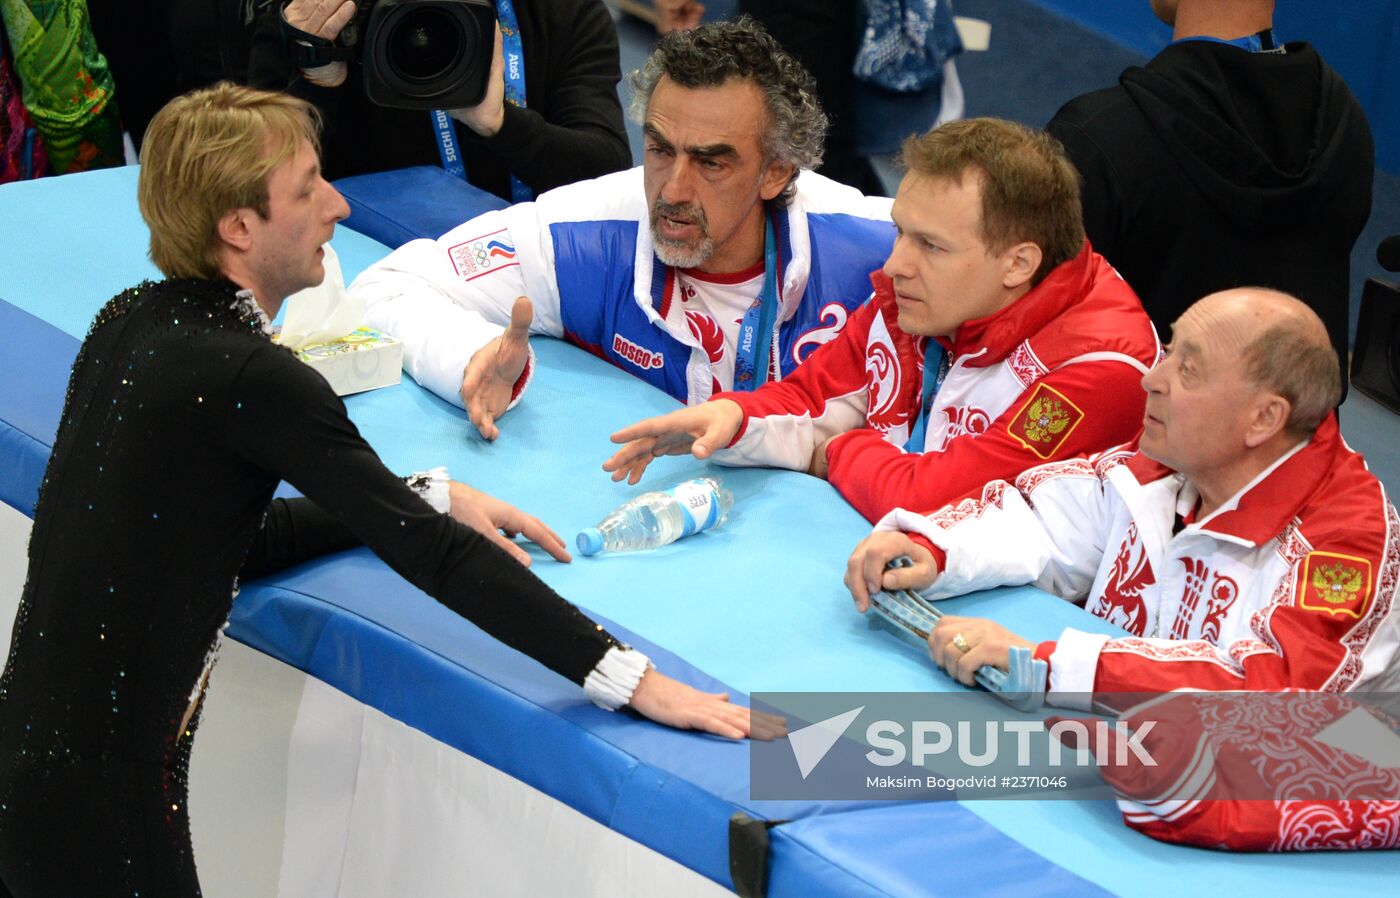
514 60
1254 43
756 330
447 144
935 369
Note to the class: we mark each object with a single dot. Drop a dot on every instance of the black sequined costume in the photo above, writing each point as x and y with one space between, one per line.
181 417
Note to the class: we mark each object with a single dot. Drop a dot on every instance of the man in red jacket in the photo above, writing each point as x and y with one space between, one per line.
996 340
1238 541
1243 548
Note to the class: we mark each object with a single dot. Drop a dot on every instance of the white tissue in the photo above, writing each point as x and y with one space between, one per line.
321 314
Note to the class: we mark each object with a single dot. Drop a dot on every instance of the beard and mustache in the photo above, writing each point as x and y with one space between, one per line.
681 253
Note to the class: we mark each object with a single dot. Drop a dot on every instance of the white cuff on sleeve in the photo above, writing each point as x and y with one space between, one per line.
611 683
433 487
1072 667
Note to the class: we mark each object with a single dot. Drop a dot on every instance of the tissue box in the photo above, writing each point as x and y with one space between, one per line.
362 360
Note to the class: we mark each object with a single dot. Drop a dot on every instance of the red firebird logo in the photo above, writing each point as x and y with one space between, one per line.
1121 602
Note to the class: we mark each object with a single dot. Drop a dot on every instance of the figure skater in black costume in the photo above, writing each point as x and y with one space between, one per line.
181 417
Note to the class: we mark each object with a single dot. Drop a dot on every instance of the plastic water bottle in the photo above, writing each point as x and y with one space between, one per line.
656 519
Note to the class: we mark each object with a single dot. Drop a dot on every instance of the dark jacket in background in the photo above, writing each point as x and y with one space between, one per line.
157 49
1213 167
571 131
865 119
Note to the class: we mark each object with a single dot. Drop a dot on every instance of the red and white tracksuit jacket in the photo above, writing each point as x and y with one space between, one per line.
1056 374
1292 583
1278 771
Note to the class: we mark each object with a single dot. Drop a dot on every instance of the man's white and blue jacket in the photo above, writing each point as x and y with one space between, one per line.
583 254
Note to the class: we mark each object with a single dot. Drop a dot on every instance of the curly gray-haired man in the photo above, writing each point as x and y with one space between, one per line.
733 82
719 264
794 123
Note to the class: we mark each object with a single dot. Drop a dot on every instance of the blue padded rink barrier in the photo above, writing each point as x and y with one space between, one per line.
778 620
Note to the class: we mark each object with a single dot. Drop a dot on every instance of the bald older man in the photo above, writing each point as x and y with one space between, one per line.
1239 541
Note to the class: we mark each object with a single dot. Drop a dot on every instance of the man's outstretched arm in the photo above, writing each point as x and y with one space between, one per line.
448 299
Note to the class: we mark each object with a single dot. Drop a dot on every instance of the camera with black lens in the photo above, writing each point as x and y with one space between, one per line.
416 54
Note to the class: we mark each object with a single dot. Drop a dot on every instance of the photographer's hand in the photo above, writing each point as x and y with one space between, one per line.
325 19
487 117
677 15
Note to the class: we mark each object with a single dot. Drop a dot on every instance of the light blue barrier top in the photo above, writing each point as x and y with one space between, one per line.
757 605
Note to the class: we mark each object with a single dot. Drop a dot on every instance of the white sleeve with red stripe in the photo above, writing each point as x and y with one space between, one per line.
444 299
1048 529
785 421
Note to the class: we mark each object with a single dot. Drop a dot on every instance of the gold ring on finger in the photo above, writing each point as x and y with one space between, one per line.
961 643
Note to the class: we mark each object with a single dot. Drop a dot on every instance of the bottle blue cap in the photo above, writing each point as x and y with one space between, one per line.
589 541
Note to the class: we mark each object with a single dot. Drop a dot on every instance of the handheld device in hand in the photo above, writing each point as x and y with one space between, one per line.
910 617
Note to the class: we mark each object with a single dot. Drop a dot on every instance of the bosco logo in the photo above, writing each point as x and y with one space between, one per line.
641 357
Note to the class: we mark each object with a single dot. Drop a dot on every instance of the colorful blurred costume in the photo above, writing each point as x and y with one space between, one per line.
65 83
21 147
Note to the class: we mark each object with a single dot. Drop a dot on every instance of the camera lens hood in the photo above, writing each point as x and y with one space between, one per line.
428 54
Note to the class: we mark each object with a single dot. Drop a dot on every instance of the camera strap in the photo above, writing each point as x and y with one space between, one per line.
311 51
513 54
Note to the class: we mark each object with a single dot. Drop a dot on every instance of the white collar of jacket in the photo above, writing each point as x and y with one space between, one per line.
1263 507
